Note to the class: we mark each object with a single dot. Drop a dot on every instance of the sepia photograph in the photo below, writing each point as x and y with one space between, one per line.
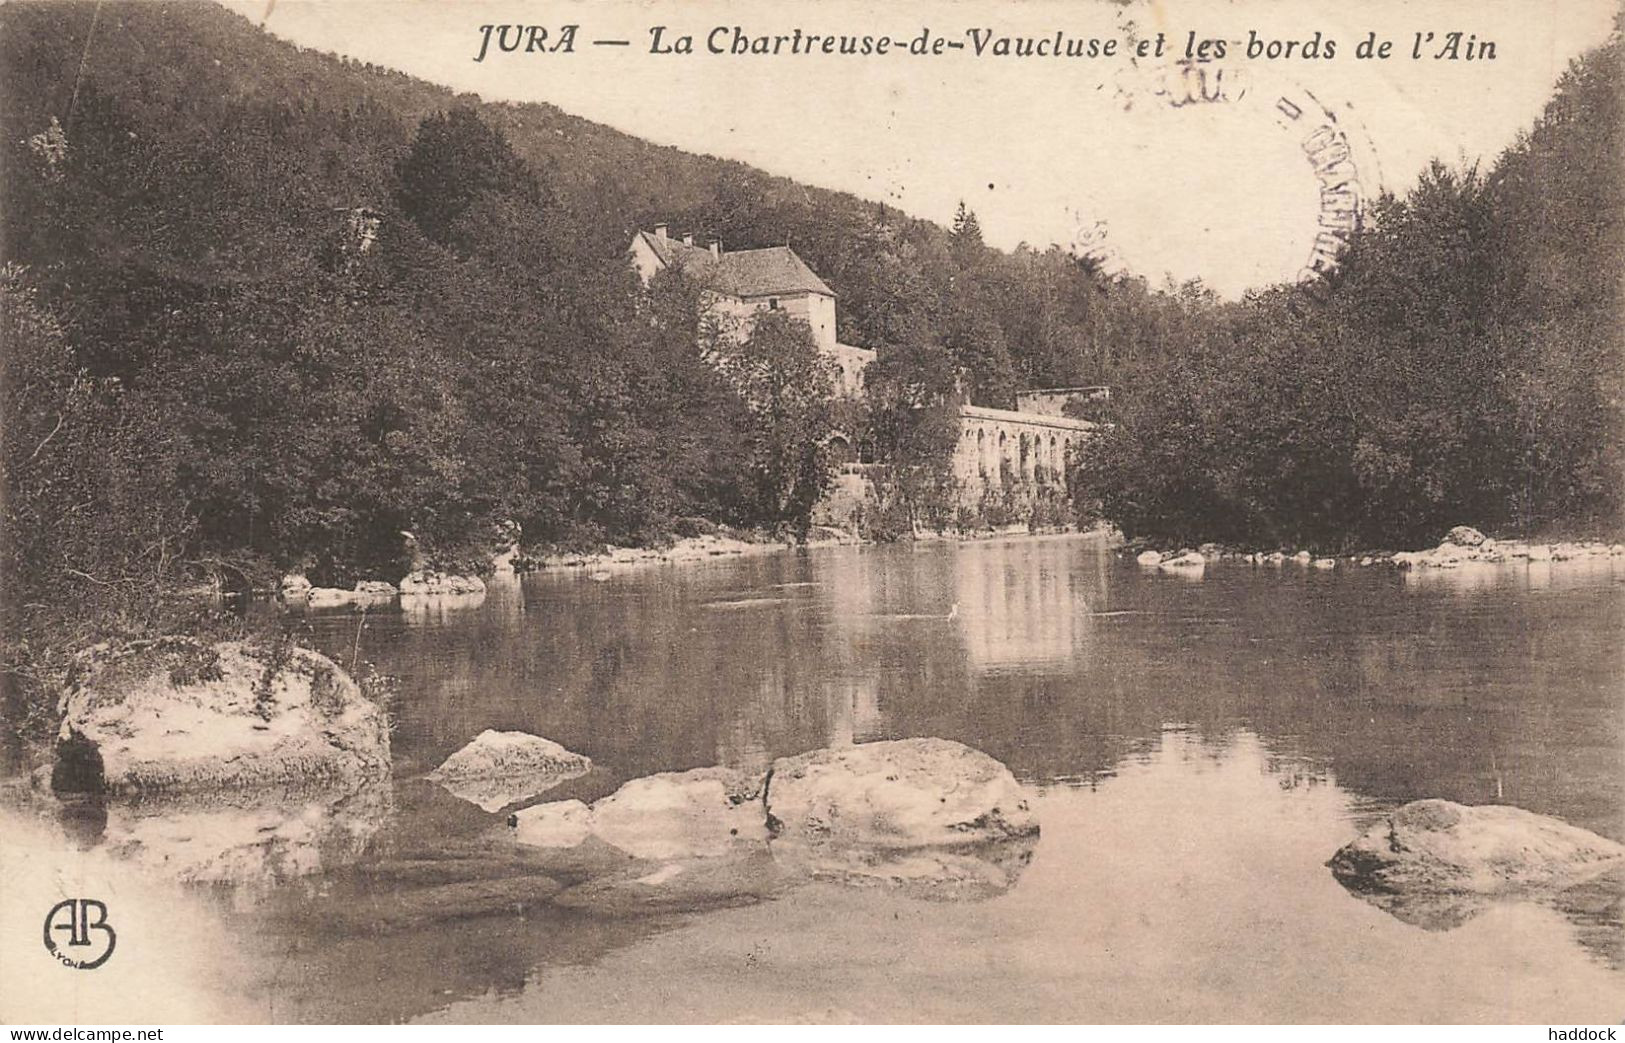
735 512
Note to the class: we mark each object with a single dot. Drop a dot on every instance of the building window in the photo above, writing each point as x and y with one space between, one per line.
773 303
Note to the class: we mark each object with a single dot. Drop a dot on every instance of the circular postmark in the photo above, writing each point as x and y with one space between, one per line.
1333 147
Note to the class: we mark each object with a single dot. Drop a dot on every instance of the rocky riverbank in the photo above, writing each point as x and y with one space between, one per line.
688 550
1463 545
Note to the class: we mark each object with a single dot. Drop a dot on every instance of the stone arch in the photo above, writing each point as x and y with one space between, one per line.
981 452
839 448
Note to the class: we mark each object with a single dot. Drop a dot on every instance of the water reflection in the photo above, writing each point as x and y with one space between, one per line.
1023 606
1059 661
1202 749
1521 574
497 793
249 840
430 609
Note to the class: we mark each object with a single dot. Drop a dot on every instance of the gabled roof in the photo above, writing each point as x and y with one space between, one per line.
743 273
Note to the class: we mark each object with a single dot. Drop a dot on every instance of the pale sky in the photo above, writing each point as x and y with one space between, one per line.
1039 147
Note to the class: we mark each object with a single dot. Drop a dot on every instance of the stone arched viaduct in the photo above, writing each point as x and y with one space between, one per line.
1000 449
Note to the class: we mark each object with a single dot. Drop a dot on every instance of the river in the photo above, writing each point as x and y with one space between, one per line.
1196 745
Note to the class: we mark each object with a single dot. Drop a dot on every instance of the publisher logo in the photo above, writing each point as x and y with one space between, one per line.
77 933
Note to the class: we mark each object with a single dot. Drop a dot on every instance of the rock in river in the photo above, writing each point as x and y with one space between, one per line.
366 593
747 875
1435 847
683 814
177 714
501 768
561 823
928 817
899 794
430 582
933 873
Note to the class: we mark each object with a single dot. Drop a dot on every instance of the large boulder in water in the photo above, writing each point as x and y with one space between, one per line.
500 768
906 793
1432 847
177 714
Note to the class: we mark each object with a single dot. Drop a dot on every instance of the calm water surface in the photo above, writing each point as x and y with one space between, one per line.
1198 746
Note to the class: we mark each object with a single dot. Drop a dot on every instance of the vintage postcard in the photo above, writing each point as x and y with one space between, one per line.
716 512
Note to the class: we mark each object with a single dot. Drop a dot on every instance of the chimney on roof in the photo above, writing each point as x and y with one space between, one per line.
715 246
660 230
688 240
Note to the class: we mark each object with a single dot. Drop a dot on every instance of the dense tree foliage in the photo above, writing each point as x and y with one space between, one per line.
911 423
1463 365
87 544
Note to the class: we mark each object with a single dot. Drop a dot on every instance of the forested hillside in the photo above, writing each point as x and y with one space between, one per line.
181 208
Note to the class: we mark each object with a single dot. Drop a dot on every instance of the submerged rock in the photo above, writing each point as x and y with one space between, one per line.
1439 847
177 714
955 873
561 823
1436 911
1191 560
501 768
744 877
904 793
401 906
706 812
682 814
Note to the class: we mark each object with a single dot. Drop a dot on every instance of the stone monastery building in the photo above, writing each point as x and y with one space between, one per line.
749 281
999 450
